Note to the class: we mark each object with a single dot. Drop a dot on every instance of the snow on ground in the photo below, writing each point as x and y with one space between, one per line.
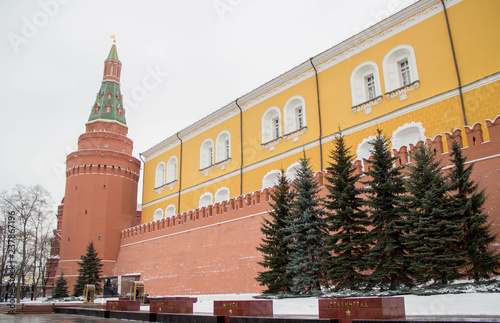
470 304
467 304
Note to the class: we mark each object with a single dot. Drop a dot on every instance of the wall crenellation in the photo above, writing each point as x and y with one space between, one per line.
235 204
477 148
242 204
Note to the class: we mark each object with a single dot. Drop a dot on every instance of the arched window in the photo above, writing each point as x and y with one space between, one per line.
271 124
96 108
158 215
222 194
108 107
109 92
120 109
364 149
172 169
291 171
207 154
270 179
160 175
295 114
400 67
365 83
223 146
170 210
206 199
409 133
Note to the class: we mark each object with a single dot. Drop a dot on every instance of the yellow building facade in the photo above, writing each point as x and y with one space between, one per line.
429 69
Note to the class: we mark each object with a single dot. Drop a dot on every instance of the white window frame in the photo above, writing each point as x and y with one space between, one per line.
160 174
268 124
222 194
359 89
172 169
291 171
158 215
222 150
392 67
291 114
270 179
170 210
409 133
207 153
364 150
205 199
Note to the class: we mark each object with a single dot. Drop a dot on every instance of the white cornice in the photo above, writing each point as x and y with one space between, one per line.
373 35
108 121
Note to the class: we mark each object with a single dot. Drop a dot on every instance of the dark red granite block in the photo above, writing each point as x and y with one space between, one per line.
130 305
123 305
178 305
244 308
112 305
348 309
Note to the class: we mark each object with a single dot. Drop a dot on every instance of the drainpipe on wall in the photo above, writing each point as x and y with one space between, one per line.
319 116
143 169
241 146
180 177
455 61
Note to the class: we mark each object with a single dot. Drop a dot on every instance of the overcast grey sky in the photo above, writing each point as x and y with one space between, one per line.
181 61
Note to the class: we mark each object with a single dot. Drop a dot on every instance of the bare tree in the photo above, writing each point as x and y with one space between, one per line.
32 206
42 225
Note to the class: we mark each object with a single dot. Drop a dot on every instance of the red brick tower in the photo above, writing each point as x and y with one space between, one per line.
101 180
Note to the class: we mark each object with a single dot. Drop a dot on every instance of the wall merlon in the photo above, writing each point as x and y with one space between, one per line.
494 129
456 135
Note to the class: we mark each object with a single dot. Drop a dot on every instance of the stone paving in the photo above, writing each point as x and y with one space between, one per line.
52 318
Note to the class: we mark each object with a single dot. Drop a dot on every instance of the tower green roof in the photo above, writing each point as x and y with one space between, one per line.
113 53
108 104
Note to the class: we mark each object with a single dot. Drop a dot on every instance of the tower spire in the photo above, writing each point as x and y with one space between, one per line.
108 105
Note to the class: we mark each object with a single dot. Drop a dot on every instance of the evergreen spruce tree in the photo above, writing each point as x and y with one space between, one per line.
89 272
306 233
347 220
477 236
61 288
387 258
79 285
274 247
434 237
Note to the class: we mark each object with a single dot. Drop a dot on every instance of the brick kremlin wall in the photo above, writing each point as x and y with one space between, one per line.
212 250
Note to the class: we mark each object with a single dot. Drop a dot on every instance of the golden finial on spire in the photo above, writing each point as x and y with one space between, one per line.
113 37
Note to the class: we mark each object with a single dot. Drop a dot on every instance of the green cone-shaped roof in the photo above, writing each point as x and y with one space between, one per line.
113 54
108 104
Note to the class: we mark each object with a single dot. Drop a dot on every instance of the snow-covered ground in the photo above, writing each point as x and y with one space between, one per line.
470 304
467 304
